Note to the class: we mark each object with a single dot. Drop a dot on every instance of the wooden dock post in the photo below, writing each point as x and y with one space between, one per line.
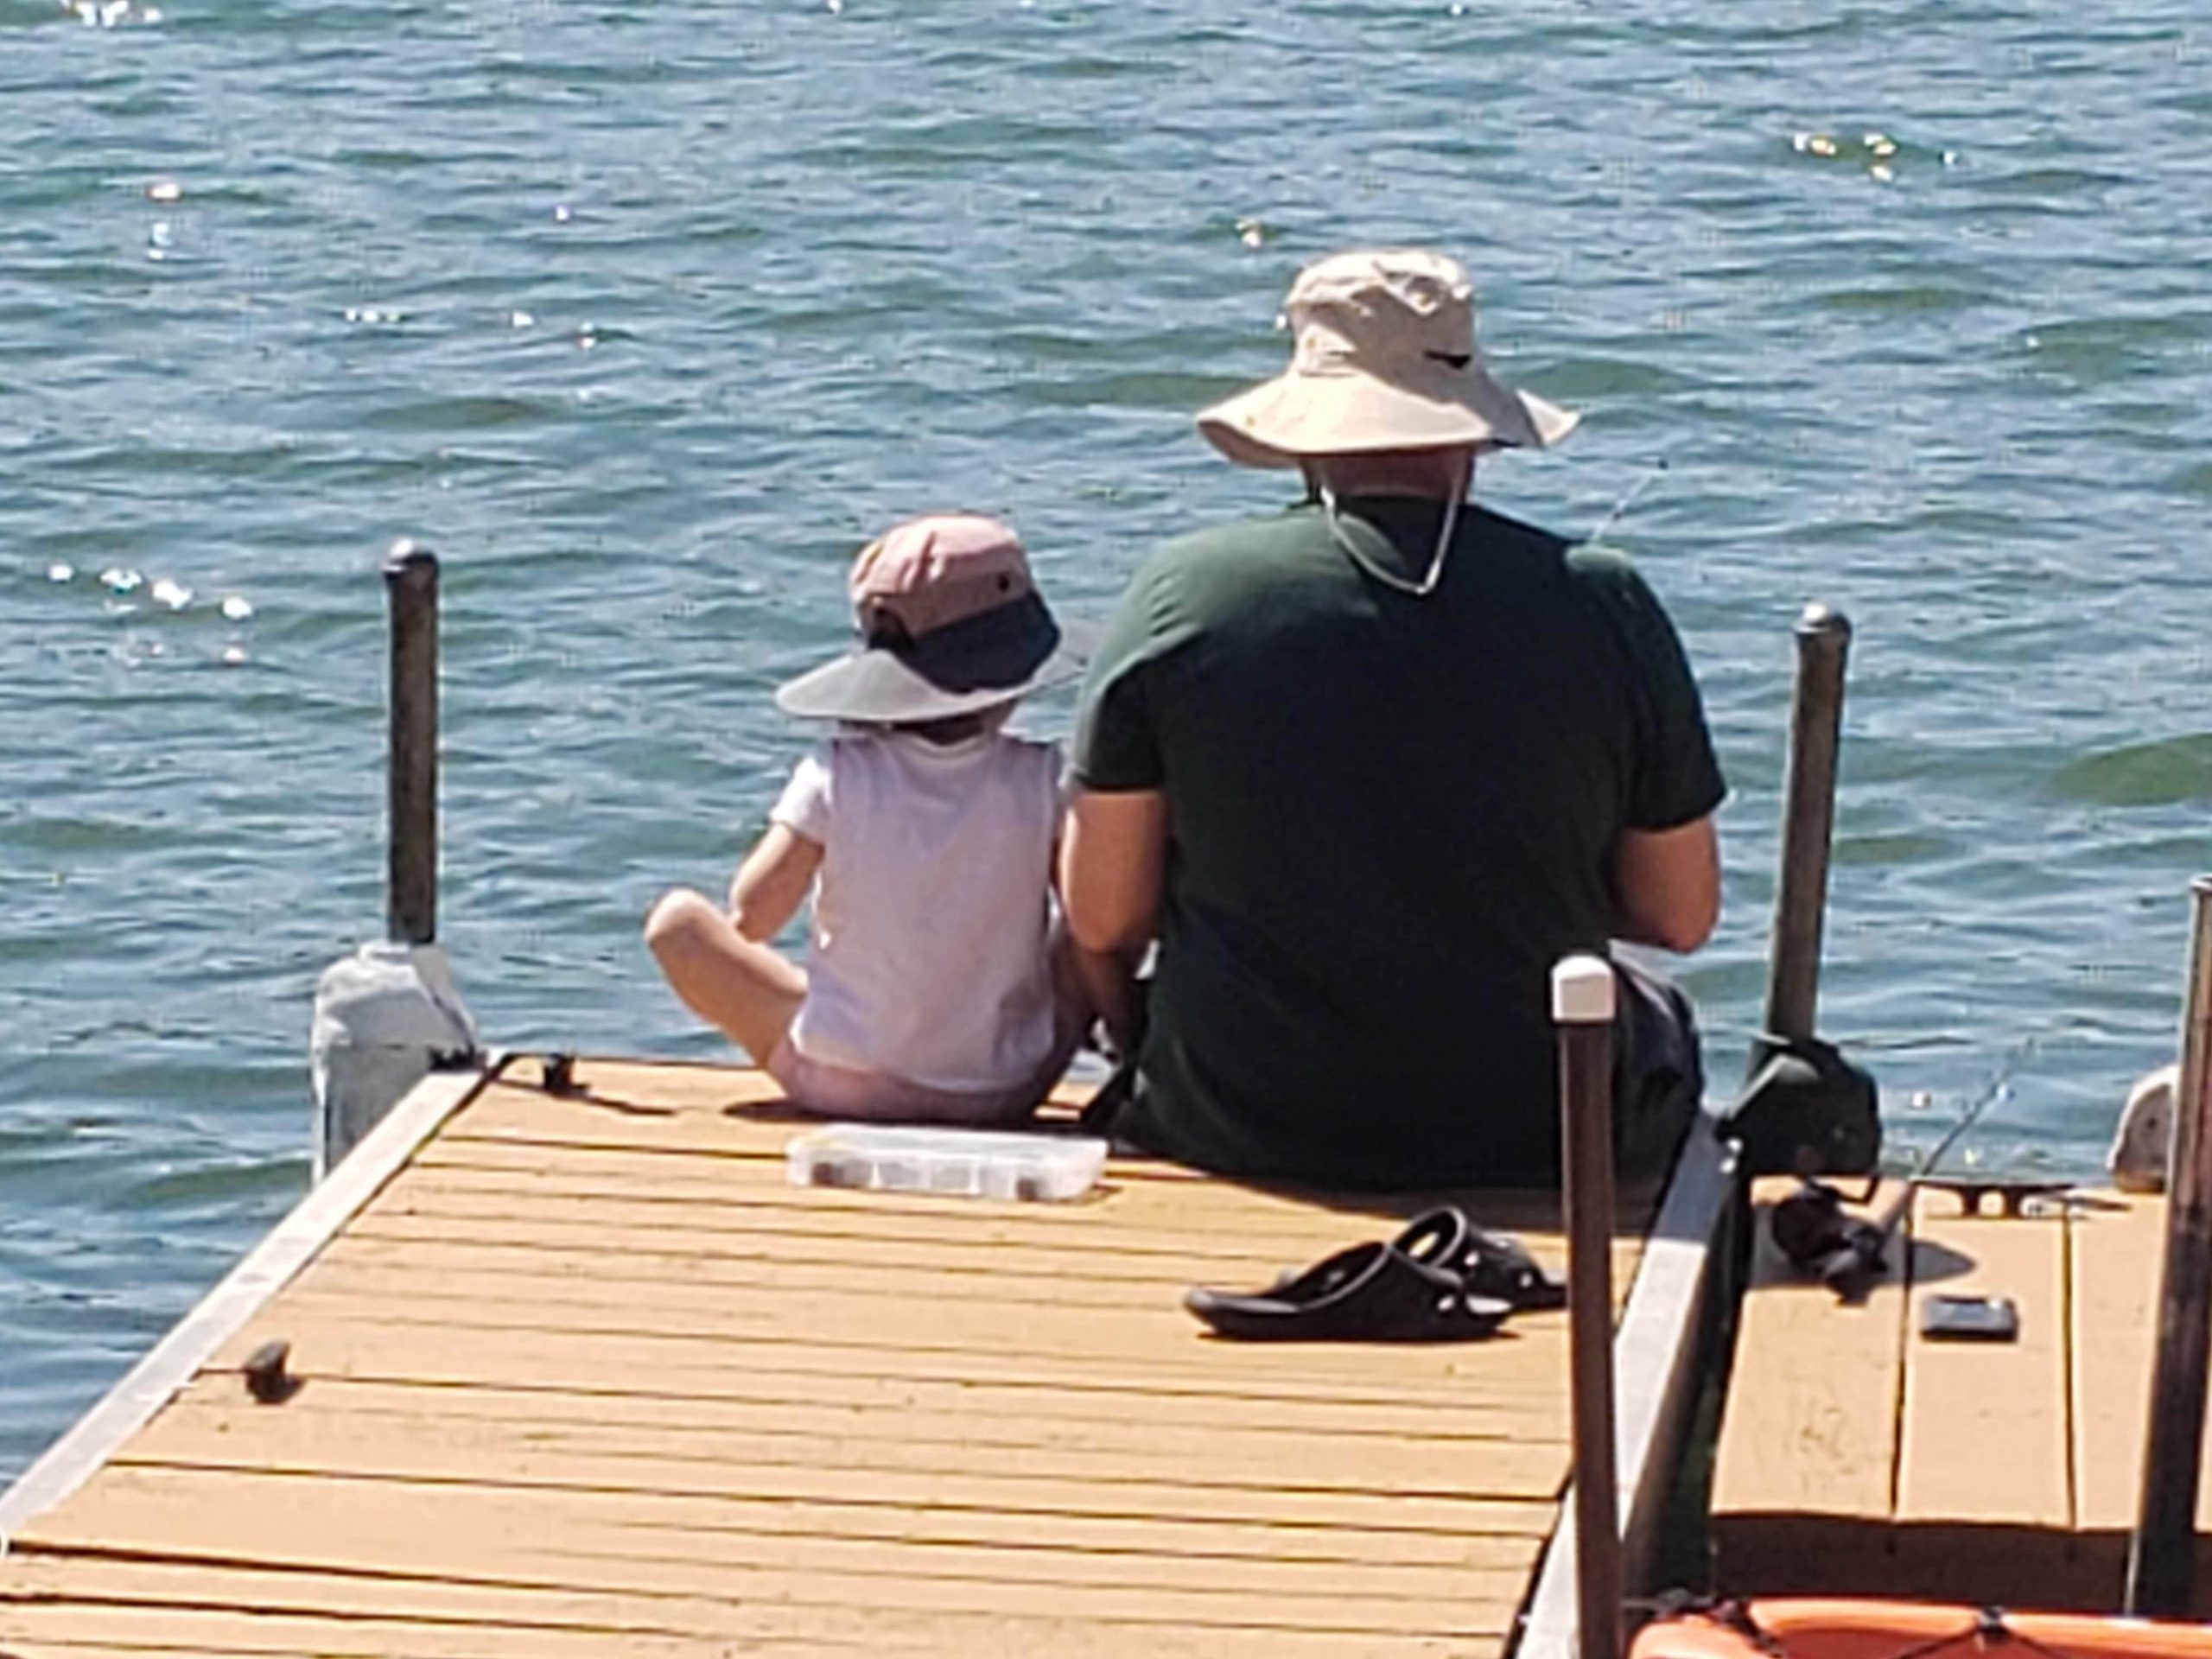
1583 998
1804 1108
1808 823
2162 1555
410 577
388 1013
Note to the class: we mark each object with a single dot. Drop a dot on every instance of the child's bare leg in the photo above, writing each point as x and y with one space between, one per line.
747 989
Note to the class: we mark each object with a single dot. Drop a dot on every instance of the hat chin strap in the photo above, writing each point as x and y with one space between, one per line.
1426 585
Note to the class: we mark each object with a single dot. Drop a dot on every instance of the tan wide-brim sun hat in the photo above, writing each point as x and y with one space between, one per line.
1383 357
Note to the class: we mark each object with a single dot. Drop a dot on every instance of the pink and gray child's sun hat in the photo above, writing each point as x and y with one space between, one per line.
951 623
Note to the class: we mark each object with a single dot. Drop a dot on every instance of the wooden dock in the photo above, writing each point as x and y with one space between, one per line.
582 1375
1858 1457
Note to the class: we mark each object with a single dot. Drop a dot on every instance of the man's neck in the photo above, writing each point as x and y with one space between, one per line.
1435 474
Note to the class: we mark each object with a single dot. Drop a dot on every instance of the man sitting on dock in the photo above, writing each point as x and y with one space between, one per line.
1366 770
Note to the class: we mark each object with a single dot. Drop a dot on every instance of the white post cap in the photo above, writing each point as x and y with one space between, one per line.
1582 991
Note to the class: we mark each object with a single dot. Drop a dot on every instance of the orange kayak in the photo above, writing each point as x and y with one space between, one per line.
1811 1628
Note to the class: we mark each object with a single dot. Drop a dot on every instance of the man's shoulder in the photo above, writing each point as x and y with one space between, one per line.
1497 530
1203 576
1611 577
1585 584
1578 573
1591 564
1601 563
1598 570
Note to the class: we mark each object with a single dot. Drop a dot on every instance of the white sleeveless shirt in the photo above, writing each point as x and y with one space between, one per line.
930 939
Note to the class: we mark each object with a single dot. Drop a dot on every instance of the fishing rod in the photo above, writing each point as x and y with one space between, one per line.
1846 1252
1628 499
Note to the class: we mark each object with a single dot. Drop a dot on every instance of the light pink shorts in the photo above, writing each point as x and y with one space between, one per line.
838 1091
830 1090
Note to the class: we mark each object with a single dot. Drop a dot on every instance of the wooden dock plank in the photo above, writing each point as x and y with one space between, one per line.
983 1423
1813 1428
2016 1463
859 1309
490 1169
587 1370
1985 1434
709 1364
671 1109
450 1593
103 1631
388 1526
73 1628
412 1337
508 1120
1806 1455
2118 1254
862 1403
1365 1520
332 1612
1239 1216
147 1506
732 1256
442 1275
2119 1251
500 1212
615 1392
1985 1488
188 1434
595 1542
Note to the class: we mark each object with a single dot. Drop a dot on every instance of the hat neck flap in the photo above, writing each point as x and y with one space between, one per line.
1002 647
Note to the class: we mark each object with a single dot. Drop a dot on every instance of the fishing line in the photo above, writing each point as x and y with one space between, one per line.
1620 507
1845 1251
1995 1092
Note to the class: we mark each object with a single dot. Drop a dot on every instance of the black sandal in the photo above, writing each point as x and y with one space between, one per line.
1410 1289
1497 1264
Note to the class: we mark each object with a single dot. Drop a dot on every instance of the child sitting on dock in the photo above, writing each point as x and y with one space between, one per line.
937 985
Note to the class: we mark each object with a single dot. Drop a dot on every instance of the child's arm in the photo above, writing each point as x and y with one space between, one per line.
772 884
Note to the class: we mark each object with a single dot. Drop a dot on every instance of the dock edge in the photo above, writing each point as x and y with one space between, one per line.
268 1268
1654 1349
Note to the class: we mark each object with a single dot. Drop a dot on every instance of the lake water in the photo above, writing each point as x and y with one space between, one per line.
645 316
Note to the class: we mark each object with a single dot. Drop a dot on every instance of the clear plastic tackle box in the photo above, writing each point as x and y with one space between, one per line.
950 1162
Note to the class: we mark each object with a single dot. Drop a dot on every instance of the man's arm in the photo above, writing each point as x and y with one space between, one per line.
1667 884
1665 881
1113 862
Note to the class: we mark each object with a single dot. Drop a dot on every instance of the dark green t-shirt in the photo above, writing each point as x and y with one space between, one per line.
1388 816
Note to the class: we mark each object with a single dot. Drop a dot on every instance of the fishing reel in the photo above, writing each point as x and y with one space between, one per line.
1811 1229
1848 1252
1806 1110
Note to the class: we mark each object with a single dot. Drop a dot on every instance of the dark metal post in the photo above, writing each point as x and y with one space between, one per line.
410 575
2161 1557
1583 996
1808 822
